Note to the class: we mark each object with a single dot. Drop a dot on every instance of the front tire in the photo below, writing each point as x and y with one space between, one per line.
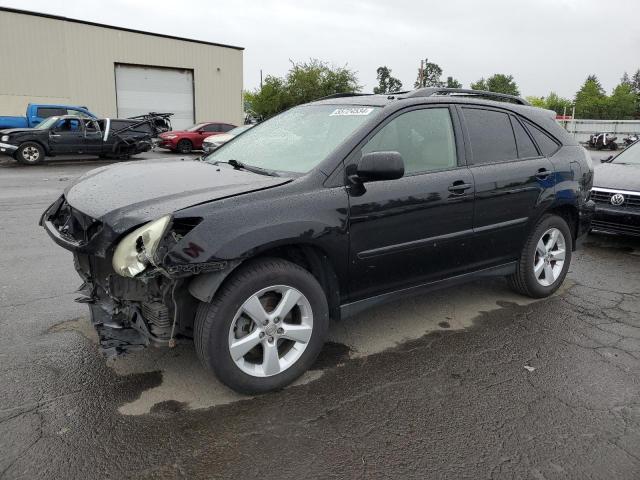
184 146
30 153
545 258
264 328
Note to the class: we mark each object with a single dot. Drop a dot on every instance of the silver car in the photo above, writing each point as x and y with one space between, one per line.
215 141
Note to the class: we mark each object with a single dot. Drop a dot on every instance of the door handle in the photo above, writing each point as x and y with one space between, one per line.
54 134
459 187
543 173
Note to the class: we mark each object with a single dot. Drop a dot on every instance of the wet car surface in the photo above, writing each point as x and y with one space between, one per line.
433 386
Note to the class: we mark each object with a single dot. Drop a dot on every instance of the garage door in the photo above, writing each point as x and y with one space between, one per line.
149 89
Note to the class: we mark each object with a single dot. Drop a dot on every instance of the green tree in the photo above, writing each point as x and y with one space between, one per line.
537 101
272 99
499 83
558 104
479 85
429 75
590 100
622 104
453 83
386 82
305 82
635 82
635 88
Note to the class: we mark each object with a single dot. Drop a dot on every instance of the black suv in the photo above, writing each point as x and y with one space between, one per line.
321 212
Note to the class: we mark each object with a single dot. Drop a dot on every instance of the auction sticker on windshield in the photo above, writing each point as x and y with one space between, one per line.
351 111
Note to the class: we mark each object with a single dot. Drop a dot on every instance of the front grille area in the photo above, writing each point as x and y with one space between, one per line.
602 197
614 227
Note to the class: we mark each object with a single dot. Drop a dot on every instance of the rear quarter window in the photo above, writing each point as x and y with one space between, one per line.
548 146
46 112
490 135
526 148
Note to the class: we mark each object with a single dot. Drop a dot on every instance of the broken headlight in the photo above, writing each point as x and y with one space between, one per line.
135 252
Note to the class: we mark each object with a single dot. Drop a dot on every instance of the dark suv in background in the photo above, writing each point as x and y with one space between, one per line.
321 212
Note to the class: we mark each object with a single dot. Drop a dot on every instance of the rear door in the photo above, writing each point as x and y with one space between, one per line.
92 137
415 229
512 181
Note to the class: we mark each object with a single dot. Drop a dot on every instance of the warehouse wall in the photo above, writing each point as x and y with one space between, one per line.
46 60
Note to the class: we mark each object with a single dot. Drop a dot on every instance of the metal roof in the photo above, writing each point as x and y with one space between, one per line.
113 27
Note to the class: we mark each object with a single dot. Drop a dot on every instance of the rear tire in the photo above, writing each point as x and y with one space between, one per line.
184 146
545 258
30 153
281 346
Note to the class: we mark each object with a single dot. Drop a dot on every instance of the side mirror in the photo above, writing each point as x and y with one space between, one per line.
606 159
376 166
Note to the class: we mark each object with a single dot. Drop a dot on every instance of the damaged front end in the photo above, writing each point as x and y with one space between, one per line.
133 301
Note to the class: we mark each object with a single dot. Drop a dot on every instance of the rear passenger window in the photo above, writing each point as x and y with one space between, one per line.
547 145
46 112
491 136
526 148
423 137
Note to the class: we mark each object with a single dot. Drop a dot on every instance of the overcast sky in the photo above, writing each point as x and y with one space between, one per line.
545 44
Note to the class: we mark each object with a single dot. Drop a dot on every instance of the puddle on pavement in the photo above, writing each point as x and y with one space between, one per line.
187 385
81 325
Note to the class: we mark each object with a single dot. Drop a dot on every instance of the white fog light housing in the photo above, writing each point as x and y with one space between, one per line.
5 138
135 252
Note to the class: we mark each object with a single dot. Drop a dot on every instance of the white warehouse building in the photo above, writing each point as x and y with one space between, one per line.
115 72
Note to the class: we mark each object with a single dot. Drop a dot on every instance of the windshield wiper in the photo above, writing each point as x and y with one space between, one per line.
249 168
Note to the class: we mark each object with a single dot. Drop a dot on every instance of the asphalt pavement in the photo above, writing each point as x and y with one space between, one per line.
470 382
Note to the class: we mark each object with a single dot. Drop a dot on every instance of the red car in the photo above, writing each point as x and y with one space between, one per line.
184 141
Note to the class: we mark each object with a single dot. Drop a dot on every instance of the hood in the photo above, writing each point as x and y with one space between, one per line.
222 138
174 132
9 131
128 194
617 176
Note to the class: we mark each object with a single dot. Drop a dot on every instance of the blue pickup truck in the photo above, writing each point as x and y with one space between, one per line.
36 113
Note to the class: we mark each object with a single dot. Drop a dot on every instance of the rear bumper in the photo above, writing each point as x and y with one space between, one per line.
586 214
618 220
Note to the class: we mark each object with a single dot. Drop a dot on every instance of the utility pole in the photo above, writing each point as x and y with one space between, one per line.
260 79
421 76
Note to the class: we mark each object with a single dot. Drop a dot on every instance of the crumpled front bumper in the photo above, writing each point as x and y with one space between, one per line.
7 148
128 313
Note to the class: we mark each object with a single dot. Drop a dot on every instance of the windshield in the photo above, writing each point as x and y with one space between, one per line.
48 123
195 127
296 140
631 156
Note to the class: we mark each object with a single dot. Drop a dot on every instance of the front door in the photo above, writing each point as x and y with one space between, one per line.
67 136
512 178
415 229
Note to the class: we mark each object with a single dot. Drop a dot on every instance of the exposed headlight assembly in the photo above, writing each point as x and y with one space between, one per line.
4 138
135 252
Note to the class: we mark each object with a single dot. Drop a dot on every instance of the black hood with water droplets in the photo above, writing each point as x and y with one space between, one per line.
125 195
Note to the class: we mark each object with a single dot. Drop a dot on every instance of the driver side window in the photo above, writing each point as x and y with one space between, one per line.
424 138
67 125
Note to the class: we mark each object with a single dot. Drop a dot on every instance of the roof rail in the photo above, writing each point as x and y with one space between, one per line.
341 95
434 91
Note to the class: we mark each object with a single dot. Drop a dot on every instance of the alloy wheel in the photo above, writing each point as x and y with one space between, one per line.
550 256
31 154
270 331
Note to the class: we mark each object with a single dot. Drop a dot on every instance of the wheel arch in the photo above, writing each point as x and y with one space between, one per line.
45 148
309 256
568 212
